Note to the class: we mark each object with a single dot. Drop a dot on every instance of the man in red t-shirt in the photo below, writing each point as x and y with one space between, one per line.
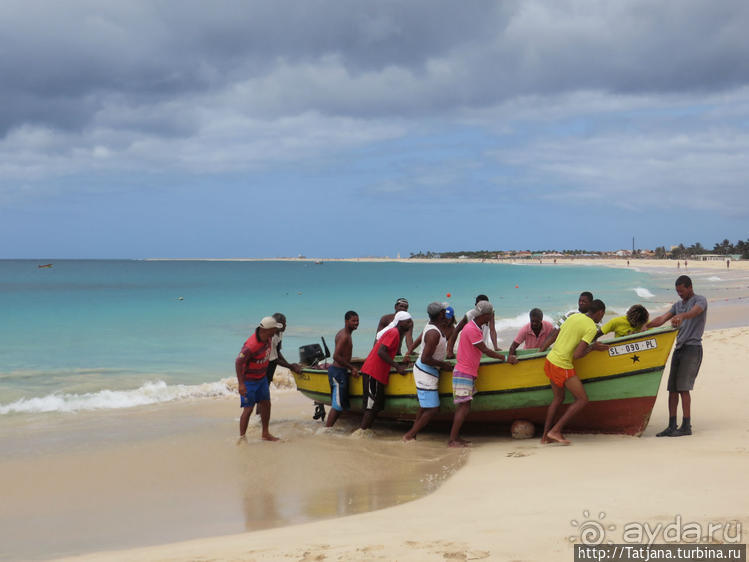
251 366
376 369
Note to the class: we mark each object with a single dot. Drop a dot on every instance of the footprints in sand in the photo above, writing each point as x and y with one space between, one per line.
416 550
449 550
518 454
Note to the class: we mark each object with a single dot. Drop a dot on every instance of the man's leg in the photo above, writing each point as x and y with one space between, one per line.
575 386
421 421
244 419
264 407
673 395
686 410
461 412
686 404
332 417
552 411
367 419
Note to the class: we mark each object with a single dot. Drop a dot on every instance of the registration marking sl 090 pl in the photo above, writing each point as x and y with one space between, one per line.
633 347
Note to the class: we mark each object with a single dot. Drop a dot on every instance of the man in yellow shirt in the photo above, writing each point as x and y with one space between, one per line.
635 320
576 338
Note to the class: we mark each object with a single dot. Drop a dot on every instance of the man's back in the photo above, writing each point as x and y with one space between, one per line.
578 327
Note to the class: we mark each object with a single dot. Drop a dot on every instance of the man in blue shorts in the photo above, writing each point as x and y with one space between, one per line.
427 368
251 366
339 370
689 315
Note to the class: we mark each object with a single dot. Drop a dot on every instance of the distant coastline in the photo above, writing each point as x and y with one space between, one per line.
634 263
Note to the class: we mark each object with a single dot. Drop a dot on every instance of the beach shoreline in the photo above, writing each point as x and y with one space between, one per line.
194 431
517 499
633 263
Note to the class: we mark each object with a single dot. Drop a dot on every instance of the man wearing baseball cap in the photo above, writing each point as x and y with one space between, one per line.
251 366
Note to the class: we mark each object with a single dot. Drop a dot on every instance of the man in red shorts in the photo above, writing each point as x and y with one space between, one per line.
576 338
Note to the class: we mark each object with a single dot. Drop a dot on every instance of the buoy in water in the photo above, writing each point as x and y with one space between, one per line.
448 295
180 298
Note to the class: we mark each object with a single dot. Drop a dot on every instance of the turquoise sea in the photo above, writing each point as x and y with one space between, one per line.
111 334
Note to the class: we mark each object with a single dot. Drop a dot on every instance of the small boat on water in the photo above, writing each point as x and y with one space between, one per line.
622 384
46 265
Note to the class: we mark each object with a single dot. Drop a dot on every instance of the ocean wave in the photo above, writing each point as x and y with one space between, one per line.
148 393
517 322
643 293
714 278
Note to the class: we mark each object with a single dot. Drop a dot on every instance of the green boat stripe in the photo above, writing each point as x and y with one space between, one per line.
511 390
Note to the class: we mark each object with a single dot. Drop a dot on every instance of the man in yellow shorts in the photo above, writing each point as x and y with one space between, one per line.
576 338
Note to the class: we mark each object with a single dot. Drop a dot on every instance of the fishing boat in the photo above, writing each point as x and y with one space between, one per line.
622 384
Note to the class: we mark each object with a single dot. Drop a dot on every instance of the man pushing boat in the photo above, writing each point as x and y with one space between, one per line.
689 315
470 349
339 370
575 339
376 369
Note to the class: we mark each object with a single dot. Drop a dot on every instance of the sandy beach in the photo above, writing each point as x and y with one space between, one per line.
517 500
151 469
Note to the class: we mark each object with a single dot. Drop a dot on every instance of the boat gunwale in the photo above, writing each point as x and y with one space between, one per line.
539 354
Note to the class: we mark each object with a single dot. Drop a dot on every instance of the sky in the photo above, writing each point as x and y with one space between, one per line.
230 129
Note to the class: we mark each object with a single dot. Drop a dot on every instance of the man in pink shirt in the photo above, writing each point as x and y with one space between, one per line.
534 333
470 349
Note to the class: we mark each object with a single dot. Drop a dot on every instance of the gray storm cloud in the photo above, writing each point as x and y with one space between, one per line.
65 65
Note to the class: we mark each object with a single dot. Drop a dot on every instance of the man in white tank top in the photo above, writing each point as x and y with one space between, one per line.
428 366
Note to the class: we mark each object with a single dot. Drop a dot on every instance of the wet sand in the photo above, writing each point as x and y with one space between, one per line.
109 480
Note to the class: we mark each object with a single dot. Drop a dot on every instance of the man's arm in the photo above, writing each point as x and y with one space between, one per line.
550 339
493 332
383 322
513 347
416 343
409 340
454 336
384 354
239 365
583 348
296 367
696 310
659 321
512 359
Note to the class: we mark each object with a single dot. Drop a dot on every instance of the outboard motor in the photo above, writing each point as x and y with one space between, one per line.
310 355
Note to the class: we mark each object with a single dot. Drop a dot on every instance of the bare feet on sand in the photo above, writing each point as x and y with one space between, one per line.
269 437
459 443
558 437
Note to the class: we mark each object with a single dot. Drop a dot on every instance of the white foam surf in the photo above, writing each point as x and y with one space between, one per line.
148 393
643 293
714 278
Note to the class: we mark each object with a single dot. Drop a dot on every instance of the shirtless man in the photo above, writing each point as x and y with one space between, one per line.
339 370
400 305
